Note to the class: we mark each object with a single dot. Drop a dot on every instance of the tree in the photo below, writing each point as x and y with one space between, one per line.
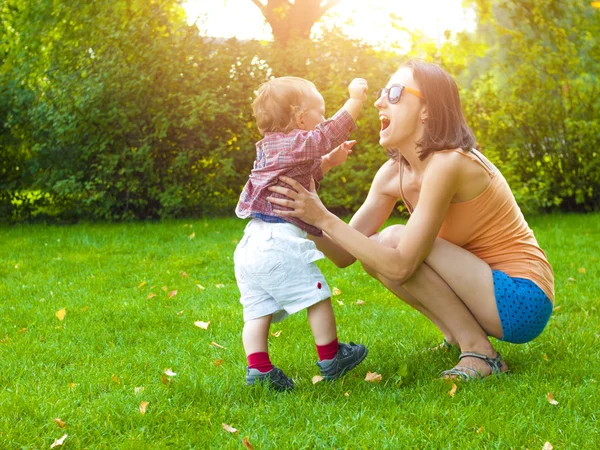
290 20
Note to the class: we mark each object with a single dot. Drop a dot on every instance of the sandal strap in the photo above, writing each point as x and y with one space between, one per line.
461 371
495 364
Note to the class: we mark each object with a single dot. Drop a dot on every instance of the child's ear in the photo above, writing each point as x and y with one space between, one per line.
300 119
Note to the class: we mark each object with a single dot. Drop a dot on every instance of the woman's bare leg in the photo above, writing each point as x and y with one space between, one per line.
457 289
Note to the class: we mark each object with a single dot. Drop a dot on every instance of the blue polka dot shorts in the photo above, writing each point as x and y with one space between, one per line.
523 307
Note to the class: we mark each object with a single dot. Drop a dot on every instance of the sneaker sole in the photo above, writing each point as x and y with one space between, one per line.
347 369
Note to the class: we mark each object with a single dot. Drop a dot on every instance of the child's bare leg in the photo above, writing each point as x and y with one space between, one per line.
322 322
256 335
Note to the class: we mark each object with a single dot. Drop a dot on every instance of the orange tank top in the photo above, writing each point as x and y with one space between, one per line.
492 227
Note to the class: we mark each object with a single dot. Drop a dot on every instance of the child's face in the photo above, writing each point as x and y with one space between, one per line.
314 111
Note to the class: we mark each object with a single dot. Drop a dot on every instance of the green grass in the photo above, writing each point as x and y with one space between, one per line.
113 339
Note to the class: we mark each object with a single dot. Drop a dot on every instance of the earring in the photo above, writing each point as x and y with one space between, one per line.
422 120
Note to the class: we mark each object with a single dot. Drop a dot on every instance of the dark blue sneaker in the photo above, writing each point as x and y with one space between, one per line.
275 378
347 358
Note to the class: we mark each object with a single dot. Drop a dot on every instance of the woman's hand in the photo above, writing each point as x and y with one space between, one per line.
306 205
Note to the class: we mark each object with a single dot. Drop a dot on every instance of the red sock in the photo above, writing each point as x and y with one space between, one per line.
328 351
260 361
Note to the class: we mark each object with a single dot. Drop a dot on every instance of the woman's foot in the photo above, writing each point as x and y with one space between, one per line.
476 366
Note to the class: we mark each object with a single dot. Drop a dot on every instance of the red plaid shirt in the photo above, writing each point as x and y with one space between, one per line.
296 155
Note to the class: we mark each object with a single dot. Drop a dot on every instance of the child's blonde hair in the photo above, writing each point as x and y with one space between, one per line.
278 103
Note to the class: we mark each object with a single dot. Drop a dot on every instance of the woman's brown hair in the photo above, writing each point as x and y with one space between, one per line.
445 127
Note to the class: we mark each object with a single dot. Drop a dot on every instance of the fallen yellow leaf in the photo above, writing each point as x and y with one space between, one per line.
581 270
316 379
72 385
219 286
341 303
347 394
360 302
143 407
150 295
556 308
276 334
200 287
59 442
143 283
180 312
452 391
164 288
545 357
203 325
571 279
247 443
192 236
60 423
138 390
184 275
479 430
373 377
229 428
551 400
217 362
214 344
173 293
336 291
169 373
164 380
60 314
116 379
548 445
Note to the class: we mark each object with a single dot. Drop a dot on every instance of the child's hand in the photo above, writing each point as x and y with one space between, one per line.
339 155
358 89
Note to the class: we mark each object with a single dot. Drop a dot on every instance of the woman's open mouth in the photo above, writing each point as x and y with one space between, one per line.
385 122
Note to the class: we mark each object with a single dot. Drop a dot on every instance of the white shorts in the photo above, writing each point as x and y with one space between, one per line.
276 271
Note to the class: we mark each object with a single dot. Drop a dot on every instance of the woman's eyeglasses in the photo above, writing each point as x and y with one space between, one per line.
394 92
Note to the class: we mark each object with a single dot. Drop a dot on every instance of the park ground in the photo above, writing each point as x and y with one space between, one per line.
98 323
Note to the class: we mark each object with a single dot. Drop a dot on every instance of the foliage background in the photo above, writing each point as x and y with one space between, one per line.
114 110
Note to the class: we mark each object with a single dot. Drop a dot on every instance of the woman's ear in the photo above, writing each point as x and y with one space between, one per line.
424 114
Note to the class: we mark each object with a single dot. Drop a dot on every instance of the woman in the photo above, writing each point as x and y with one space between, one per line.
466 258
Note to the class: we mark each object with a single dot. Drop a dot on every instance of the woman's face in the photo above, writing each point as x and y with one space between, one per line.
401 122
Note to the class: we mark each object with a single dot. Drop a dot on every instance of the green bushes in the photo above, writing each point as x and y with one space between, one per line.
116 110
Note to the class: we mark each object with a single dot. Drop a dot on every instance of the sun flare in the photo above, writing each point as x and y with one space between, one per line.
371 20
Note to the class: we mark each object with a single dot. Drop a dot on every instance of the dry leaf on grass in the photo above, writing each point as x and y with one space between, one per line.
219 286
116 379
548 445
571 279
60 423
184 275
247 443
336 291
347 394
214 344
276 334
229 428
217 362
360 302
551 400
173 293
138 389
192 236
60 315
165 380
143 283
143 407
452 391
479 430
72 385
341 303
203 325
581 270
164 288
200 287
316 379
180 312
373 377
169 373
150 295
59 442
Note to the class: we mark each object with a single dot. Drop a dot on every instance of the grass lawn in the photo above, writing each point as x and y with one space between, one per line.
94 368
